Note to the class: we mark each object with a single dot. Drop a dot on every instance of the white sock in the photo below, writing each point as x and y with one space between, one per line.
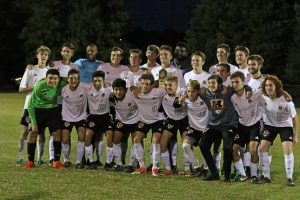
132 156
51 148
99 150
80 151
109 154
40 149
187 166
217 158
139 153
265 165
174 154
270 159
166 159
247 159
89 152
187 148
117 154
156 155
151 153
253 169
239 167
289 165
22 148
65 151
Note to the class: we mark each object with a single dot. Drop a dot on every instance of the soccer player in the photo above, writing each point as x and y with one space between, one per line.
248 131
223 53
197 60
223 70
152 53
241 55
148 100
44 112
74 113
176 120
127 116
255 63
29 80
98 122
181 58
280 118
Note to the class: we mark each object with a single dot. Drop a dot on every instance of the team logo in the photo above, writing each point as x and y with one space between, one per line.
107 72
67 96
249 101
201 103
67 124
265 104
129 104
103 94
236 137
81 95
266 133
34 74
169 126
91 124
119 125
141 125
204 82
280 107
236 104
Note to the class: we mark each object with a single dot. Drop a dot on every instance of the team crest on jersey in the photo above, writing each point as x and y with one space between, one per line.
67 124
67 96
266 133
201 103
119 125
169 126
204 82
280 107
103 94
141 125
34 74
91 124
81 95
107 72
249 101
129 104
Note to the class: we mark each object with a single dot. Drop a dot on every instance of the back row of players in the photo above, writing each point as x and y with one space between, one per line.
224 107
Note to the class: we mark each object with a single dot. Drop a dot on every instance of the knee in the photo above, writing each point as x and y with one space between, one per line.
186 146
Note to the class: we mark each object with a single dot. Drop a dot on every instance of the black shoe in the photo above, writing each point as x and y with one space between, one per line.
205 173
119 168
109 166
240 178
79 166
197 172
128 169
51 162
255 180
290 182
265 180
149 168
174 169
92 165
67 164
98 163
212 178
248 172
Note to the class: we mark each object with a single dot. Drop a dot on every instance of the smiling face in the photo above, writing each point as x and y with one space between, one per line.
222 55
270 88
91 52
42 57
146 86
240 58
237 84
192 93
115 57
171 87
73 80
212 85
134 60
253 67
52 80
165 57
67 53
197 62
119 92
98 82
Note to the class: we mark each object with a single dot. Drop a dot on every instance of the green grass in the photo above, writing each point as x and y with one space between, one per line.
47 183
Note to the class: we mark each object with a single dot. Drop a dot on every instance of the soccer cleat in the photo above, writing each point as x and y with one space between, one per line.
166 172
41 162
212 178
187 173
141 170
174 169
265 180
67 164
58 165
51 162
197 172
20 162
79 166
128 169
98 163
149 168
28 165
248 172
92 165
109 166
290 182
255 180
155 172
119 168
240 178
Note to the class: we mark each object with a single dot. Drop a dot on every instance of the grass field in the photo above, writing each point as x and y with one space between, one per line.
44 182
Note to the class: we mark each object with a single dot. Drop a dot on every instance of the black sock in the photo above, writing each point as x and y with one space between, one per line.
57 150
31 151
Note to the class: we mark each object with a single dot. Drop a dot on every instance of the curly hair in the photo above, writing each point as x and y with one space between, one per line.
277 82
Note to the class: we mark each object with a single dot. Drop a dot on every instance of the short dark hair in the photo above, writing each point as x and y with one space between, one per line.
117 49
238 74
224 46
217 78
148 77
98 74
138 51
69 45
120 83
167 48
181 44
193 84
243 49
154 48
227 66
256 57
199 53
73 71
52 72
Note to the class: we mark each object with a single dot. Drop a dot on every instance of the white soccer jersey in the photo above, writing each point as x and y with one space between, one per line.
247 109
74 103
171 71
30 78
278 112
227 82
201 78
127 110
98 101
173 113
246 73
213 69
145 66
197 113
149 104
112 73
63 69
255 84
131 78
